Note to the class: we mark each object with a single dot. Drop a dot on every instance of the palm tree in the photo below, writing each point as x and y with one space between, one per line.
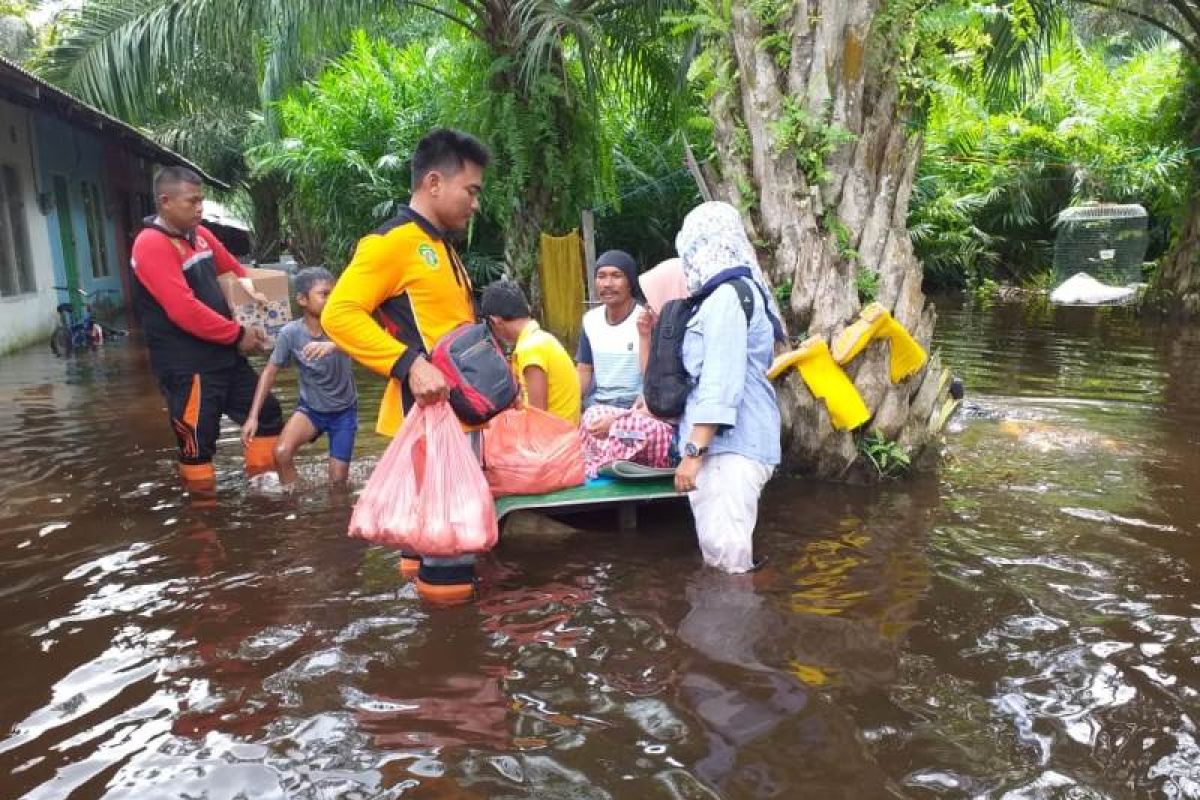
1015 60
547 60
816 112
201 76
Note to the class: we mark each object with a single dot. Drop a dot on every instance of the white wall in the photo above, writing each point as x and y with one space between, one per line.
28 318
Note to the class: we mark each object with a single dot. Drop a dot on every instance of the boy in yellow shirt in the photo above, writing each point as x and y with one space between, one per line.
544 368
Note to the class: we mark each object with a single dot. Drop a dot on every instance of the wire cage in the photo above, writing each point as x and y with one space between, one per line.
1106 240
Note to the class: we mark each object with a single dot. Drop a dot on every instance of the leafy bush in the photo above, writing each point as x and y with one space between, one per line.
994 176
349 134
889 459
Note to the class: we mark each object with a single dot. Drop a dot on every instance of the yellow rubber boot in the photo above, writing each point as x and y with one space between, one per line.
873 322
827 381
854 339
907 356
260 455
785 361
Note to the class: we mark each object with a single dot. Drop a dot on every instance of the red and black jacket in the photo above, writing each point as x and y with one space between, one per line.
187 323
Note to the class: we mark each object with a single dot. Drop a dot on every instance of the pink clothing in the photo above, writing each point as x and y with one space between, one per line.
664 283
634 436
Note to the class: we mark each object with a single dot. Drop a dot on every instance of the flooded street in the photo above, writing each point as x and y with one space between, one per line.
1023 624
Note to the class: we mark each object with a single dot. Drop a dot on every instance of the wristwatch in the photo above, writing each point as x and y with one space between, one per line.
693 450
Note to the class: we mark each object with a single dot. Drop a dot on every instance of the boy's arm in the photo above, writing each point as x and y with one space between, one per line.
265 382
537 387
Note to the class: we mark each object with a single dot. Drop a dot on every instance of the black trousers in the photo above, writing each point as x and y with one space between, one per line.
196 402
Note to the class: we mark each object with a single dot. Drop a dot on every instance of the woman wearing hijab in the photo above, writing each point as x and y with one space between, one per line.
729 432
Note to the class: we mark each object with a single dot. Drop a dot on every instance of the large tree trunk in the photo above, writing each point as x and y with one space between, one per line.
1178 282
823 63
267 236
522 238
1179 277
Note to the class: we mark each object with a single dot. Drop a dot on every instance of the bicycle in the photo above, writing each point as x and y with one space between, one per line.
75 330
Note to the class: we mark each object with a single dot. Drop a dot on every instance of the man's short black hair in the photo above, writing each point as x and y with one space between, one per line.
446 150
504 299
168 177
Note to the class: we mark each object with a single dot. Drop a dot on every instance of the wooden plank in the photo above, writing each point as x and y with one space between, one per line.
697 174
588 234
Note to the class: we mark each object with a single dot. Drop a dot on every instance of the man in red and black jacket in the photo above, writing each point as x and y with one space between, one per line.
197 351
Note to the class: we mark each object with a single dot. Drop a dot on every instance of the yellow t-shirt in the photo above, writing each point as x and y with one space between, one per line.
538 348
404 289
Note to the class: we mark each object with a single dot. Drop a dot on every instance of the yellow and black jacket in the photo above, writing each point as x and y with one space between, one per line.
404 290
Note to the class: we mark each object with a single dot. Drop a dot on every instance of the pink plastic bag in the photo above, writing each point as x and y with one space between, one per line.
529 451
427 494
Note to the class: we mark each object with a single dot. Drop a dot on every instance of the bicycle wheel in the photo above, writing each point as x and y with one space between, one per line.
60 341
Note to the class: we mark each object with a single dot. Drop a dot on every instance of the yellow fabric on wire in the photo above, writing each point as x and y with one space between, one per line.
560 265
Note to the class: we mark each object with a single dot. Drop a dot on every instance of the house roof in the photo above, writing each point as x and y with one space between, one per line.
26 89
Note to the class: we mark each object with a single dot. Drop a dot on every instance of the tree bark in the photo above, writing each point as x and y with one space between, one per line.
1178 283
825 61
522 239
267 234
1180 272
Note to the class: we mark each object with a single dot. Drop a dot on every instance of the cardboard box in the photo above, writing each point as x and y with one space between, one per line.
273 314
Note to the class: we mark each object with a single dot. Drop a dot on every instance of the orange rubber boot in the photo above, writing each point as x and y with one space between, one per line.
445 594
409 566
199 477
260 455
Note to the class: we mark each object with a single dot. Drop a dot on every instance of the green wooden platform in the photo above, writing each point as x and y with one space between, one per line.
625 494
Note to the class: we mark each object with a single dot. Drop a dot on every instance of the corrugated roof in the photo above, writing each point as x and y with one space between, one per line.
24 88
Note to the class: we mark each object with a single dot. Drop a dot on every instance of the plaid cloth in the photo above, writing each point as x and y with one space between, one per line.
634 436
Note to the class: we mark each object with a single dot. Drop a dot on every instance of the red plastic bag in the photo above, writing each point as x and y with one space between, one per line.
427 494
529 451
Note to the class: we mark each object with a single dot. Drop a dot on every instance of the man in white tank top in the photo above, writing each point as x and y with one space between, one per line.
612 342
611 358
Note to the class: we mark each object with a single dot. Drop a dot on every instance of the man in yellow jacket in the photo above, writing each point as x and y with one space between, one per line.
405 289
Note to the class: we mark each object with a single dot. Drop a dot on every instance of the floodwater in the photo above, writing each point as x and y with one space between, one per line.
1024 624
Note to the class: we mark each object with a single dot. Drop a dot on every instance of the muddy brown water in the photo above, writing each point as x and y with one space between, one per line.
1023 624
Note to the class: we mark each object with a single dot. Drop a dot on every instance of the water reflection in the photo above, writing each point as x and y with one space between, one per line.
1024 624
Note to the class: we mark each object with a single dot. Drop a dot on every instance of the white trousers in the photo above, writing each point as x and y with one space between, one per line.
725 505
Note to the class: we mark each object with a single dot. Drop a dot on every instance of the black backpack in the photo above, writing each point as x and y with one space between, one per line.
666 384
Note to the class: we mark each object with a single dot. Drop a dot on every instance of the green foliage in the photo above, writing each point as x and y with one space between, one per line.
994 174
527 76
889 459
841 234
810 138
984 292
654 192
774 15
349 135
783 292
866 284
923 43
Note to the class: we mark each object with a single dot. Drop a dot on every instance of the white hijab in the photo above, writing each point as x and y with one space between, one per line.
713 240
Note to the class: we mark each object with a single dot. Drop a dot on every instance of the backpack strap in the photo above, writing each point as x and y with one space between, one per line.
745 297
744 291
